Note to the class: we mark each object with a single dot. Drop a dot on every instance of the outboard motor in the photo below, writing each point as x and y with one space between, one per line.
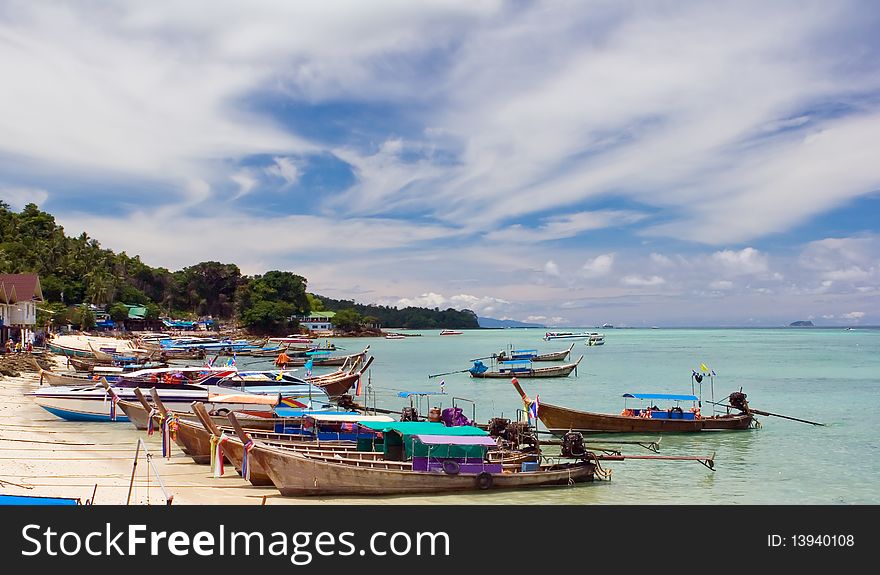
737 399
573 445
498 427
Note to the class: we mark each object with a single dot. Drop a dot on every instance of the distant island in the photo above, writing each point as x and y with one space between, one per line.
802 323
492 323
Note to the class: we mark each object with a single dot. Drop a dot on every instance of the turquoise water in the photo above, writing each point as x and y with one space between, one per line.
826 375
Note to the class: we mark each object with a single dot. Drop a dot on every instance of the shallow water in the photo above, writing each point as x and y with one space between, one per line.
826 375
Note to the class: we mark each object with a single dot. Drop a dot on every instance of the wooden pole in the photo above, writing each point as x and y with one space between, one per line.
199 409
143 399
158 401
137 453
238 429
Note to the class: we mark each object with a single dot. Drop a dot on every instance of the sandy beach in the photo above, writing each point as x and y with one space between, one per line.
43 455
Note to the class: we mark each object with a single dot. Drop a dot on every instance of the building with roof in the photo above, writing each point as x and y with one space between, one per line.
317 320
19 296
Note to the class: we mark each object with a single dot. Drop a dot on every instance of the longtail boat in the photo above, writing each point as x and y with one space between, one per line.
206 444
322 358
140 412
533 355
419 457
522 368
560 420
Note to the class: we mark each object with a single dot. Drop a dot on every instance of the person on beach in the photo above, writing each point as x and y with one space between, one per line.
8 346
18 346
282 360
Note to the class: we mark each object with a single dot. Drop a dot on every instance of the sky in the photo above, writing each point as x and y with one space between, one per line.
664 163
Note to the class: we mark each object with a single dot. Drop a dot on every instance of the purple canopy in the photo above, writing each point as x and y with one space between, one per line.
456 440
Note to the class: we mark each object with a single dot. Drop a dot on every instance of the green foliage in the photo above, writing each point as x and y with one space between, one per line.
118 312
315 304
51 311
408 317
347 320
268 317
87 319
152 311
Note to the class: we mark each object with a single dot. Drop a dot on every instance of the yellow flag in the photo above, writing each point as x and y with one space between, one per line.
704 368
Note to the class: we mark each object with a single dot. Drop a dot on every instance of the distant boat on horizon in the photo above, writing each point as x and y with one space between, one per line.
450 332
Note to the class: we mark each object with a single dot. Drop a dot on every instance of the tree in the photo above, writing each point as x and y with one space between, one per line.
118 312
315 303
268 317
347 320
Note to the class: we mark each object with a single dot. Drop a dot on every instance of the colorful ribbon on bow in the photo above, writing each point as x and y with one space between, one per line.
113 401
245 467
217 454
150 425
168 426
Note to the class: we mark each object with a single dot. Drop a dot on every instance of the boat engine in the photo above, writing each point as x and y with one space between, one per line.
409 414
498 427
573 445
737 399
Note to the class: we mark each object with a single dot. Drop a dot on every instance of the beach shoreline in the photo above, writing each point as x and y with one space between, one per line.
42 455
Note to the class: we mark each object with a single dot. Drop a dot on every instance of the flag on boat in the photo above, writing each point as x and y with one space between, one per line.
231 360
360 387
308 367
280 375
533 409
442 386
703 368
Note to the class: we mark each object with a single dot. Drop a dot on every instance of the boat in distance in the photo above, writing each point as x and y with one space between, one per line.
533 355
522 368
551 335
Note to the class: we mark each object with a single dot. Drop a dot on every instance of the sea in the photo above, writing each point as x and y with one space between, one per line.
830 376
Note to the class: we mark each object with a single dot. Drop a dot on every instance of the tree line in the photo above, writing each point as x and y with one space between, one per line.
77 270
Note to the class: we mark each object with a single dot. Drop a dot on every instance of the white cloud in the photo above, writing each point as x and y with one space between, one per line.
854 315
550 268
566 226
641 281
246 182
19 197
853 259
660 259
743 262
721 285
598 266
284 168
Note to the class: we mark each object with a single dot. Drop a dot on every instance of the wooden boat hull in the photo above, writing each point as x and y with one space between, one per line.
560 420
139 416
552 356
555 371
195 441
338 387
295 474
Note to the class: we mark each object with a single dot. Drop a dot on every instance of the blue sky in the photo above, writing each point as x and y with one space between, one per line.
569 163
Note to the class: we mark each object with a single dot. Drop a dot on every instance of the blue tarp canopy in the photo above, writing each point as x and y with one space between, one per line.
519 361
520 351
36 500
409 393
669 396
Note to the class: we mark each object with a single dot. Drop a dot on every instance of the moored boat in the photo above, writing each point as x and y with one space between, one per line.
450 332
522 368
560 420
533 355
